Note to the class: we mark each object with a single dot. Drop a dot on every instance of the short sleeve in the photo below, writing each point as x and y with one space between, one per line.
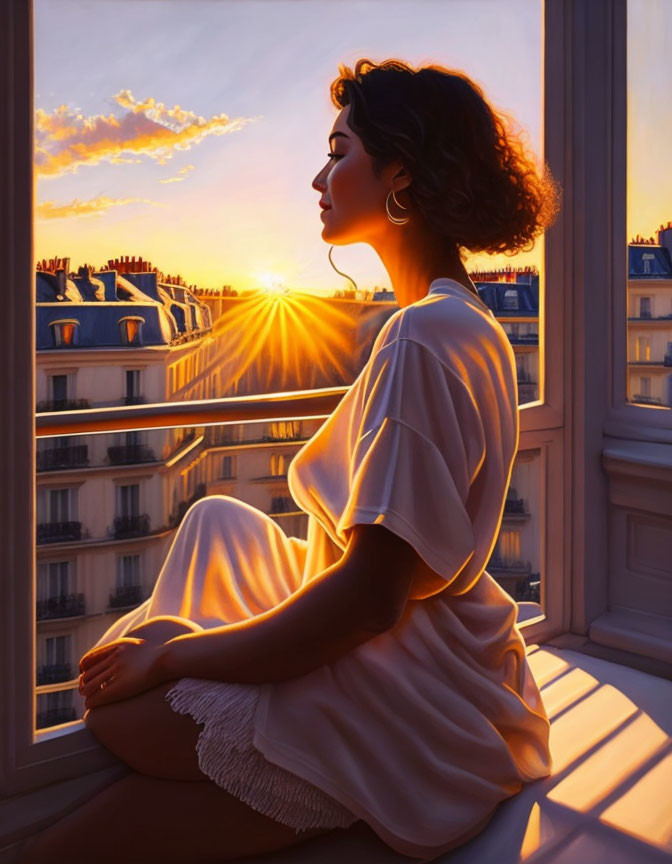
418 446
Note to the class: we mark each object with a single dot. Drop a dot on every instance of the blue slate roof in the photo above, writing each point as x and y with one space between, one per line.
98 303
516 299
649 262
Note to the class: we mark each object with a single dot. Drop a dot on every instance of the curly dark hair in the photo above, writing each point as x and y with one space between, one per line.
472 179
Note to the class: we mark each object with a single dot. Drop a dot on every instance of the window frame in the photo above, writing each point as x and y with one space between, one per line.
584 58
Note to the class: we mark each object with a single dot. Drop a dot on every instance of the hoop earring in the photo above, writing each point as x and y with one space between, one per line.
395 219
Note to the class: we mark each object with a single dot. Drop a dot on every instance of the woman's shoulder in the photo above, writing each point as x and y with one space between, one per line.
451 328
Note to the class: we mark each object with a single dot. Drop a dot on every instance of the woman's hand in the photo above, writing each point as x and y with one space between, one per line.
124 668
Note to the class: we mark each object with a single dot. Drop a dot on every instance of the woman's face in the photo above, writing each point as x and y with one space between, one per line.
353 196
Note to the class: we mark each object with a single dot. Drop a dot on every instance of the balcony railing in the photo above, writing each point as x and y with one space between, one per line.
72 456
126 595
55 716
514 506
127 454
58 532
63 405
61 606
54 673
282 504
131 526
237 409
511 566
647 400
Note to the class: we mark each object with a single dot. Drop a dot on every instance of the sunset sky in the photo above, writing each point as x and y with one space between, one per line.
188 131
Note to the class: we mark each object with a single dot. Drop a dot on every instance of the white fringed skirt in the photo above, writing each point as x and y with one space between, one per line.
229 562
228 757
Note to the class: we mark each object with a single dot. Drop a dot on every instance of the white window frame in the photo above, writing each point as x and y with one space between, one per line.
584 281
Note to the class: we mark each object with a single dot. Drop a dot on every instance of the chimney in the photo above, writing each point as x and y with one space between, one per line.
60 282
665 237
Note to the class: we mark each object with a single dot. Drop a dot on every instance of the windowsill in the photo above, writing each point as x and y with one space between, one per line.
605 798
636 632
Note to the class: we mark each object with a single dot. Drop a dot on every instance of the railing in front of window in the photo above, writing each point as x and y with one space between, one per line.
129 454
61 606
49 405
72 456
126 595
131 526
58 532
54 673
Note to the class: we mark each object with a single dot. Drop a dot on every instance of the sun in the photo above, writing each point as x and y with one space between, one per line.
271 283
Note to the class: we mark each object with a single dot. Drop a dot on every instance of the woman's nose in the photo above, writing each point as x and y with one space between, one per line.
318 182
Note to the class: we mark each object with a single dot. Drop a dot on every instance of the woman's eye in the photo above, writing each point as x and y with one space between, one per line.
334 155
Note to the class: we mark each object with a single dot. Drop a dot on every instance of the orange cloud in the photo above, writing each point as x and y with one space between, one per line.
66 139
181 175
93 207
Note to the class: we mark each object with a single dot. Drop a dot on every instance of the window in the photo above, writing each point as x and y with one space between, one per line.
65 332
227 469
58 388
128 570
648 194
278 467
511 298
133 392
128 500
643 349
577 267
131 329
54 579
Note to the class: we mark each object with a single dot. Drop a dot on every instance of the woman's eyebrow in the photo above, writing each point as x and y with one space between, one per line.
337 134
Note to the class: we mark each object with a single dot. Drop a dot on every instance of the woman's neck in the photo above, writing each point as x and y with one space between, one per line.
414 259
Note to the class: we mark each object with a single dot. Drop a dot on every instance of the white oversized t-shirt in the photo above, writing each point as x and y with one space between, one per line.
424 729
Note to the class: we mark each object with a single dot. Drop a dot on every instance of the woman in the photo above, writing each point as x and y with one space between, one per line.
374 671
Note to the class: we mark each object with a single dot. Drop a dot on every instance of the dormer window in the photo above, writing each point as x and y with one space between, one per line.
65 332
131 329
511 298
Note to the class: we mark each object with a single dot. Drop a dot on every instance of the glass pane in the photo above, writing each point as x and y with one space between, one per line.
176 220
177 227
515 562
93 571
649 204
110 564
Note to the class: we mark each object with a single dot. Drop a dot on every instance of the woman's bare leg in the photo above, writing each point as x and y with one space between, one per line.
141 820
165 810
144 730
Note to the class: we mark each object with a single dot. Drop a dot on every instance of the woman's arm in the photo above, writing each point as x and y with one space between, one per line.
347 604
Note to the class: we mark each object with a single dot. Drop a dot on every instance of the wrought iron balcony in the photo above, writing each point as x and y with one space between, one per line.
53 673
646 400
55 716
126 595
61 606
514 506
282 504
72 456
63 405
58 532
131 526
126 454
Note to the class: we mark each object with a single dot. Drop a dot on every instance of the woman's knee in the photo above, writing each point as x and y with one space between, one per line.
161 628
